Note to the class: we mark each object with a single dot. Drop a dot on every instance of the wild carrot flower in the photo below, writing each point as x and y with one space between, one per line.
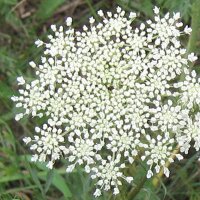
111 92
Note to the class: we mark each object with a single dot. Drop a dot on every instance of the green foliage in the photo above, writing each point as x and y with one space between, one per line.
5 91
182 6
146 6
47 7
21 179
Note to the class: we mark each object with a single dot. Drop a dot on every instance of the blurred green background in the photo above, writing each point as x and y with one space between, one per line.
21 23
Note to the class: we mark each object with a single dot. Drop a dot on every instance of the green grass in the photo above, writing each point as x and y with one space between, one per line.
21 23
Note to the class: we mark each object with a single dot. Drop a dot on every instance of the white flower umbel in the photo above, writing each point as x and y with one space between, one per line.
168 118
190 88
124 141
82 149
32 100
48 146
191 133
111 92
108 174
158 152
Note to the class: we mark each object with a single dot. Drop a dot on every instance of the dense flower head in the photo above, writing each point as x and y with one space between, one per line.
112 92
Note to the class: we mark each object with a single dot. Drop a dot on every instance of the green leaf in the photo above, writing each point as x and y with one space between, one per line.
14 21
182 6
59 182
35 177
50 175
5 91
47 8
147 7
9 2
13 177
92 10
194 41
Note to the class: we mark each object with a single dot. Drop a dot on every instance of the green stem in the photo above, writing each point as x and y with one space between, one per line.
134 191
194 41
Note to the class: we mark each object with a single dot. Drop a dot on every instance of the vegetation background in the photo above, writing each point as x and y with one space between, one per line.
21 23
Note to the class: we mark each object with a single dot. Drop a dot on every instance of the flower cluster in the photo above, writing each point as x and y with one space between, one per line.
111 92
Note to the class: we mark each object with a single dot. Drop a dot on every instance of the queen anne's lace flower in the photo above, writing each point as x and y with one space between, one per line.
109 175
123 140
191 133
168 118
111 92
158 152
49 145
82 149
190 88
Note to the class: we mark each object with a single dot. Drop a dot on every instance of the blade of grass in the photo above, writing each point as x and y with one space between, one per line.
49 179
60 183
35 177
92 10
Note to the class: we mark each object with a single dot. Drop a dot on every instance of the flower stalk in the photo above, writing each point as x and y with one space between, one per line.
157 178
